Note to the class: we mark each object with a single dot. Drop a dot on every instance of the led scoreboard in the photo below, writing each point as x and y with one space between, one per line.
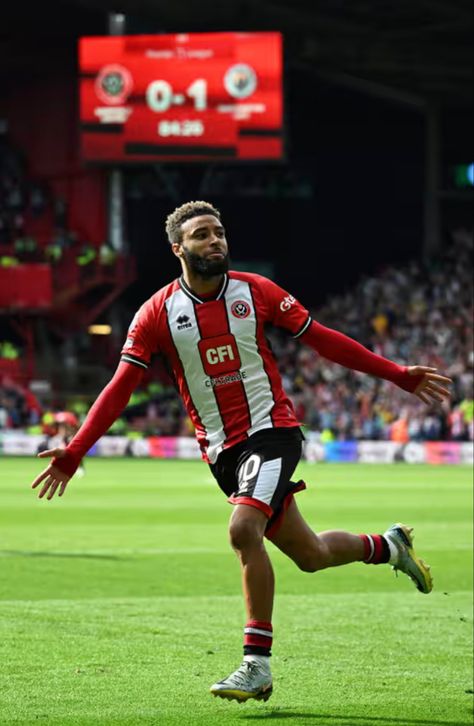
185 97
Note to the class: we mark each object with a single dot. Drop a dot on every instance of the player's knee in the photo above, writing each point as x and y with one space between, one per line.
243 534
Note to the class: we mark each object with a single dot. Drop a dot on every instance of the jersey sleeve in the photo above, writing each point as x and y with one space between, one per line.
142 335
284 310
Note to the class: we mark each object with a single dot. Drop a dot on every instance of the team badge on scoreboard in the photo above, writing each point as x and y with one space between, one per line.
113 84
240 81
240 309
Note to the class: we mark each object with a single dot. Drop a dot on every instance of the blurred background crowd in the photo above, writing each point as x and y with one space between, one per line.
416 314
419 314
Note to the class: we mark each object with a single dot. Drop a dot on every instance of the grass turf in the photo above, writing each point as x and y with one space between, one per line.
120 603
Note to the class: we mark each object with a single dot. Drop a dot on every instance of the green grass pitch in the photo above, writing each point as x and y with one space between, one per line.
120 603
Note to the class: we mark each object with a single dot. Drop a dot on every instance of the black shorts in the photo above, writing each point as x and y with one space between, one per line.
258 472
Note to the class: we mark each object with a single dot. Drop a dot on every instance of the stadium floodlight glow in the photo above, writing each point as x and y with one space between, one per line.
470 174
98 329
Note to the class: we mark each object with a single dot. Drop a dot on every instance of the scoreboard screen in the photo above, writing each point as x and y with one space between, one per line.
184 97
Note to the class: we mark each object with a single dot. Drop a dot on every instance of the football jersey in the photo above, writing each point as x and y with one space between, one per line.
218 353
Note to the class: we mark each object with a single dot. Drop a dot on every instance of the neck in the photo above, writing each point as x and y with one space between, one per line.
202 285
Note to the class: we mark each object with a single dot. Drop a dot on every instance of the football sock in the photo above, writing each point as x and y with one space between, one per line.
376 549
258 636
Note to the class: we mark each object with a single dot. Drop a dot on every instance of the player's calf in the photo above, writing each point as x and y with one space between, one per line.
315 558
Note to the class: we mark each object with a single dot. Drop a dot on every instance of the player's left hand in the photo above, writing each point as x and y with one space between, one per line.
52 477
431 386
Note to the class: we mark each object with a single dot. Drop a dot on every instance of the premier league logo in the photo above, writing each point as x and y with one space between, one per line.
114 84
240 81
240 309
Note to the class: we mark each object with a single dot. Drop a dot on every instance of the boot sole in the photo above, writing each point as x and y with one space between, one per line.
242 696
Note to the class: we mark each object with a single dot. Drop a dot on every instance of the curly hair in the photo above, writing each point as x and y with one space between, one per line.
182 214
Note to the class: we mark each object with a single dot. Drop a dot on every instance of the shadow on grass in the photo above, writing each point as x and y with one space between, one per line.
349 720
67 555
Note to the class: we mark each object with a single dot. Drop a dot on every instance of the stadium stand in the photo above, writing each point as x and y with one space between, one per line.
50 270
400 313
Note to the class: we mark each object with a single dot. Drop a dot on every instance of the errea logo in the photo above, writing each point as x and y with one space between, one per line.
183 322
287 302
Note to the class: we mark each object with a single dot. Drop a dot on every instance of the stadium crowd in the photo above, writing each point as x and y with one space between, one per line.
19 407
418 314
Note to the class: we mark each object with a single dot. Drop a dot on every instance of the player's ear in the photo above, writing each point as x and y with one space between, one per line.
177 249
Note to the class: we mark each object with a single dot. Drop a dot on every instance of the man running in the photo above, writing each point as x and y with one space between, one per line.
209 326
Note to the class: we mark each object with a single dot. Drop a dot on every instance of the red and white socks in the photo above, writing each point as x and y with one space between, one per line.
258 637
378 550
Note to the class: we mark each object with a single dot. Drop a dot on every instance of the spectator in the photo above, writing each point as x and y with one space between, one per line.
19 408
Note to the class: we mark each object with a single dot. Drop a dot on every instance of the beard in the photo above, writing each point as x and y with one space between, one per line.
205 267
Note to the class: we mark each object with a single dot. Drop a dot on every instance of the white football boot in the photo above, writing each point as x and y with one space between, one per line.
252 680
404 558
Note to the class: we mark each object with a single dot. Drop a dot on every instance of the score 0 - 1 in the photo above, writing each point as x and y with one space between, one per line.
160 95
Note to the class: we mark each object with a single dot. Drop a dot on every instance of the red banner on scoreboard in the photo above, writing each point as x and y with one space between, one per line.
185 97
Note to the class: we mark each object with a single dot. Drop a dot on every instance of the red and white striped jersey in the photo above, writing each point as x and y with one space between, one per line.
217 351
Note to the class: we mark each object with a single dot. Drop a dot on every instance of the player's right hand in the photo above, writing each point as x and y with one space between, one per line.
52 477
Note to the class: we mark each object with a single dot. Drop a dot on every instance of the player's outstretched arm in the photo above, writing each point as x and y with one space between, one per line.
101 416
422 381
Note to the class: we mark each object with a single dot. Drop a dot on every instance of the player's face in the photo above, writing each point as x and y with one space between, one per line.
204 247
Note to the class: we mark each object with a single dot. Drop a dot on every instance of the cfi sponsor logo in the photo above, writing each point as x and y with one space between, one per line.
240 309
287 302
113 84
